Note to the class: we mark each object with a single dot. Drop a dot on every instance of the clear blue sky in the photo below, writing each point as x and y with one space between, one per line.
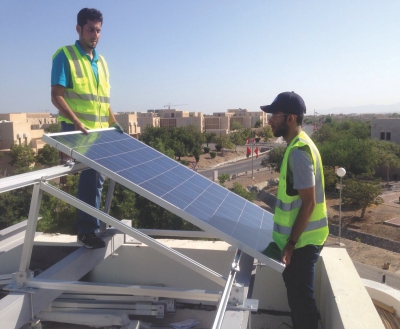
211 54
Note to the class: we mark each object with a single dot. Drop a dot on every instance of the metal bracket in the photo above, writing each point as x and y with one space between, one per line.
19 279
248 305
237 295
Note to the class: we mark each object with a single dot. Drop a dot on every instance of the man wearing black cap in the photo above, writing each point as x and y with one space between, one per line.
300 217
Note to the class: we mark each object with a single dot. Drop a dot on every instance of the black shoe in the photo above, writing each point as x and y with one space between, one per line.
91 241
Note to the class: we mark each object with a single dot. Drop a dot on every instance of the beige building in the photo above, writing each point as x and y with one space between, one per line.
129 122
22 128
386 129
220 122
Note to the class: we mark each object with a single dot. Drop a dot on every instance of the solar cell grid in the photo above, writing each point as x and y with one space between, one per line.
171 185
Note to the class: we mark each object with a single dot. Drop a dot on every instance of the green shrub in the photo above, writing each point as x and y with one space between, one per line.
218 147
185 162
213 154
223 178
206 149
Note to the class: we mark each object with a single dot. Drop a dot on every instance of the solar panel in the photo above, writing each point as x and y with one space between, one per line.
172 186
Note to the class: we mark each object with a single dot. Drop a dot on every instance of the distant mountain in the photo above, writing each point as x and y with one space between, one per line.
392 108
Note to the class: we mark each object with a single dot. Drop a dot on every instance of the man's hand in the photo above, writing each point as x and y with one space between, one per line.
117 127
287 253
79 126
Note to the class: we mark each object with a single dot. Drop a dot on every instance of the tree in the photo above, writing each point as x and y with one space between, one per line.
238 137
209 137
265 132
258 124
387 155
361 193
354 154
274 158
53 128
47 156
14 206
236 125
240 190
221 142
158 144
22 157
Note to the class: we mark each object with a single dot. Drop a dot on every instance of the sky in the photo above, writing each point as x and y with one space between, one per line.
211 55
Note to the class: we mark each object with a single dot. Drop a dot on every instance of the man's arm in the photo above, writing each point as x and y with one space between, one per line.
111 117
57 93
308 202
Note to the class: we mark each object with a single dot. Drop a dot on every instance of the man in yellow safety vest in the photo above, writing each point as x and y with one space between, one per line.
300 217
80 90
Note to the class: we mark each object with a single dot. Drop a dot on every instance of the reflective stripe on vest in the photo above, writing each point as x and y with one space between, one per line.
88 99
310 226
287 207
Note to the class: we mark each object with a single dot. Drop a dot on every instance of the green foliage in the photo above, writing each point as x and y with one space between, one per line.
258 124
387 155
22 156
57 215
342 130
328 119
206 149
209 137
47 156
185 162
178 141
222 142
240 190
274 158
223 178
123 205
265 132
53 128
213 154
356 155
236 125
151 215
307 121
238 137
361 193
330 178
196 154
14 206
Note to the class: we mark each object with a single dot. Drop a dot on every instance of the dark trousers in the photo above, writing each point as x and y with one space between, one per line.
299 281
89 191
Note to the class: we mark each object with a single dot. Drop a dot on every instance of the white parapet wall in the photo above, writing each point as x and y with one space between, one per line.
384 294
343 299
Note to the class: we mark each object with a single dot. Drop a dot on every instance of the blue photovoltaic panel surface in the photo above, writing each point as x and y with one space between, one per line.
171 185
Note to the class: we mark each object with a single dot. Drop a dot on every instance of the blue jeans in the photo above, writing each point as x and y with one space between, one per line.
89 191
299 281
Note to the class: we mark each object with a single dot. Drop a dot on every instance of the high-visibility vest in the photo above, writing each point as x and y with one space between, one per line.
89 100
287 207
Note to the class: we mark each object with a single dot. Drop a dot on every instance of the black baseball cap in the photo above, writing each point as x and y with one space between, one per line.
287 102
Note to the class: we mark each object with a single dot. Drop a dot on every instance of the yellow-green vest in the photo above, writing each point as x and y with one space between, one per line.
287 207
89 100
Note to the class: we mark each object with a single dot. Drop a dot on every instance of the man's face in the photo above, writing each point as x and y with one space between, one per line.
89 35
278 124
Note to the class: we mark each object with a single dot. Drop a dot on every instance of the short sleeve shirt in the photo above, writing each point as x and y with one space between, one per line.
301 169
61 72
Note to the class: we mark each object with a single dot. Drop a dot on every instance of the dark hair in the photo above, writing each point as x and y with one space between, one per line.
90 14
299 119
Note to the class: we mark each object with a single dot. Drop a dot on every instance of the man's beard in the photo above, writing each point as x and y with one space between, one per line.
281 130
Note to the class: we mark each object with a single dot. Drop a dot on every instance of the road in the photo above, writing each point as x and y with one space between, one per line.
243 165
234 168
